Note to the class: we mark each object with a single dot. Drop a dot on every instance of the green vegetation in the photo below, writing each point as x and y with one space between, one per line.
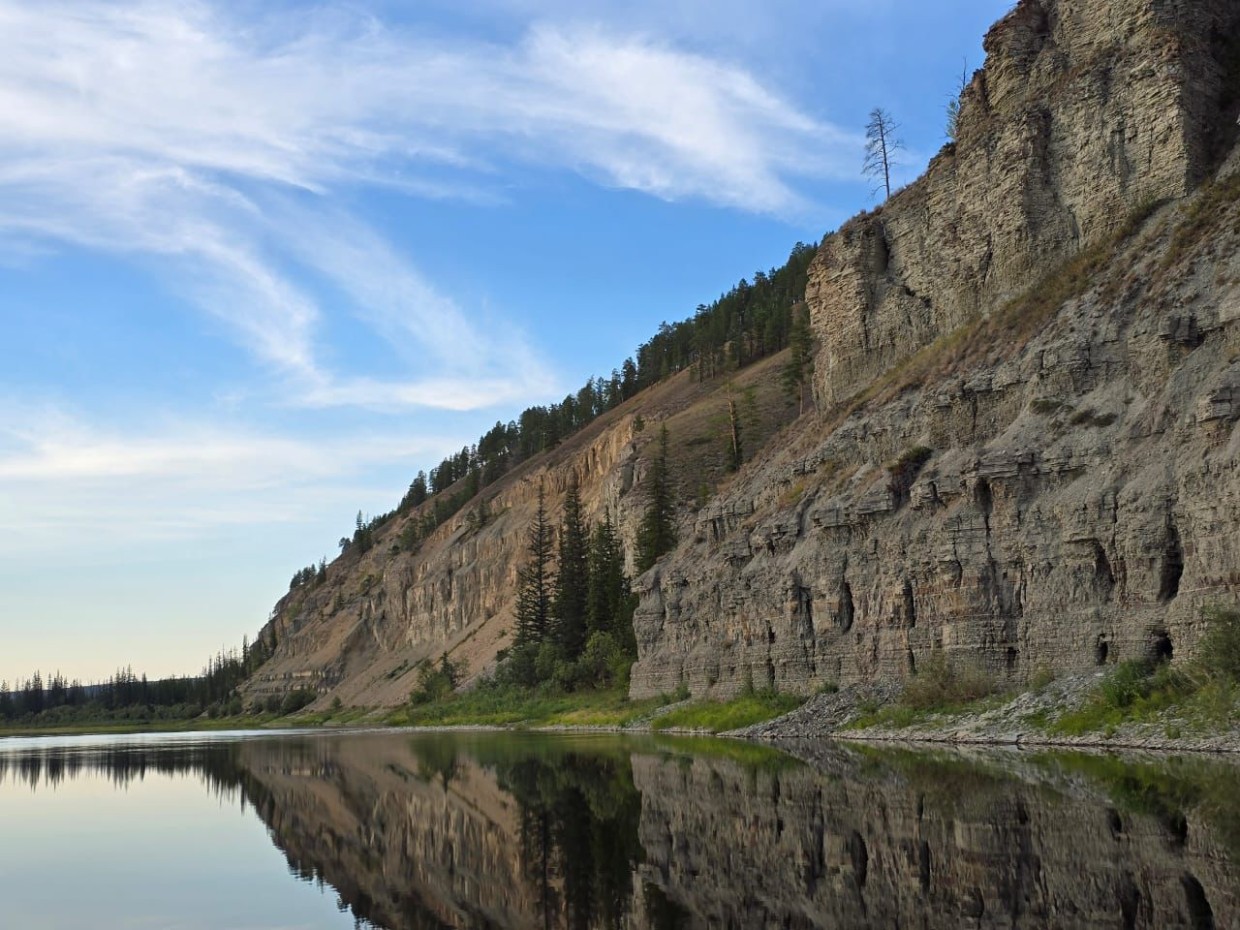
1087 417
798 371
435 681
721 716
1199 695
126 698
496 703
657 535
574 625
954 100
1168 790
753 757
1045 406
941 687
752 321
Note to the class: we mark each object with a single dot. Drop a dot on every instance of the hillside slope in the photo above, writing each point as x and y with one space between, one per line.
360 634
1024 448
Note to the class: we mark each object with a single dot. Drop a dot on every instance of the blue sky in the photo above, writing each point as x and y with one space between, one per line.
259 262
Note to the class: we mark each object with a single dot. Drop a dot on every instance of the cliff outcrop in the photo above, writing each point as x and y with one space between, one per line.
1026 447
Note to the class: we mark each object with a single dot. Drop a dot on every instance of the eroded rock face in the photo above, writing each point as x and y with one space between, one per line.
1054 487
919 844
1062 494
1084 112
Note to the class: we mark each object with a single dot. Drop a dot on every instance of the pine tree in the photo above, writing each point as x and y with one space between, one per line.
573 579
800 359
736 451
534 583
880 147
610 601
656 535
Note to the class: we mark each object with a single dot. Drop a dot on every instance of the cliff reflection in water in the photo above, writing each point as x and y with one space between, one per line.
491 830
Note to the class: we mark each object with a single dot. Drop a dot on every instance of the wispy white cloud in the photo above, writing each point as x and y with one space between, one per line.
166 130
347 97
67 479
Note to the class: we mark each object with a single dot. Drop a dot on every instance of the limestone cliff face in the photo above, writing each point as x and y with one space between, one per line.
1024 449
1026 446
1084 111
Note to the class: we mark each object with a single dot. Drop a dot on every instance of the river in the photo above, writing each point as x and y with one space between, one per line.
400 830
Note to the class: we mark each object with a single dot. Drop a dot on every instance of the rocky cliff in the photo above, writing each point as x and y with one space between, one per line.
360 634
1024 447
1025 451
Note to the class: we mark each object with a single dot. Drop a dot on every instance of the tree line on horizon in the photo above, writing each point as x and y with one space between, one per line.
126 695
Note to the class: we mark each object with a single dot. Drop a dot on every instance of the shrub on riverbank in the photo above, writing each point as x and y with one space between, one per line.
1201 694
721 716
498 703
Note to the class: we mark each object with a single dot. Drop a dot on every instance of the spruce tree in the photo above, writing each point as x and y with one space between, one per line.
801 358
656 535
572 581
610 602
534 583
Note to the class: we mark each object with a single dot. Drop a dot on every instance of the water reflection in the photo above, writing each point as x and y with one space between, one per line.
487 830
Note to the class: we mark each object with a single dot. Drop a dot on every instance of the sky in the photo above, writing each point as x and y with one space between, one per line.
261 262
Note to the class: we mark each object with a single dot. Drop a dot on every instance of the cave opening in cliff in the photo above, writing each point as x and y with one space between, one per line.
1172 566
845 618
982 495
1160 649
1199 910
1102 650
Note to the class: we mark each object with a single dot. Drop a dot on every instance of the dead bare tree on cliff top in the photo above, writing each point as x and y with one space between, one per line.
881 144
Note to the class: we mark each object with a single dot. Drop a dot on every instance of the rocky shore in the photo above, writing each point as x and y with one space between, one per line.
1016 720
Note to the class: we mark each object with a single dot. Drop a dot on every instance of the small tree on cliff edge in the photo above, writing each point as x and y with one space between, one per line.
953 103
880 146
656 535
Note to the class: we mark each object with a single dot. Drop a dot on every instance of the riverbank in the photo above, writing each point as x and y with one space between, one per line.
494 708
1123 708
1069 712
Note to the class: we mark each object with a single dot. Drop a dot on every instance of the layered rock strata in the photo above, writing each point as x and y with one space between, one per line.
1022 478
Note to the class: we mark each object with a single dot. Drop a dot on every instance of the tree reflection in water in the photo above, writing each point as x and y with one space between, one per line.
530 830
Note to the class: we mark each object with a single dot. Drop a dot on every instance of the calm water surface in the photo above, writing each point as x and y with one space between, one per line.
398 830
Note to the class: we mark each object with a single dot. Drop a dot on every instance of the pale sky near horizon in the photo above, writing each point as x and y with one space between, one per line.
260 262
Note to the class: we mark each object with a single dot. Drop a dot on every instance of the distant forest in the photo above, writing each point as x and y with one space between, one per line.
753 320
126 696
